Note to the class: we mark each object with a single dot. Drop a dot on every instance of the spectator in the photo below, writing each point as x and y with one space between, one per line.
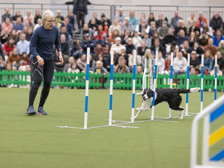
100 57
99 68
181 38
125 37
161 63
131 59
198 49
142 48
192 71
71 18
155 36
76 49
5 36
24 61
179 27
168 39
23 45
175 19
151 18
222 29
64 31
142 28
168 64
219 72
39 23
208 30
6 15
98 49
174 49
127 26
211 47
73 69
9 46
201 19
117 46
37 16
100 35
203 39
93 26
152 29
217 38
114 35
124 55
147 40
133 20
180 64
195 62
220 61
121 67
59 17
67 25
105 22
16 16
148 55
92 63
221 48
186 49
29 34
120 17
216 22
14 36
18 25
57 24
25 30
64 48
137 40
86 30
25 18
14 58
69 64
159 22
113 27
157 47
207 62
88 43
192 39
142 18
2 63
164 31
139 70
129 47
190 22
7 25
96 19
195 28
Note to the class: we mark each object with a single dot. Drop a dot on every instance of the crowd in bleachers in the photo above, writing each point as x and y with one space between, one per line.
123 35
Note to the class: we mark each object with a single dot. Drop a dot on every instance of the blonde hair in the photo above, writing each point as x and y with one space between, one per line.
180 21
46 14
220 43
146 52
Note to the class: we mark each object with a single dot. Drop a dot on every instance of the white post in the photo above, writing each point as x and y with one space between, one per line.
87 90
150 68
202 74
215 90
133 87
188 73
154 86
111 86
171 80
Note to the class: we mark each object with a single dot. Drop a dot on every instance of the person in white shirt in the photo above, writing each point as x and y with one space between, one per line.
161 63
180 64
39 23
137 40
23 45
142 28
25 18
116 47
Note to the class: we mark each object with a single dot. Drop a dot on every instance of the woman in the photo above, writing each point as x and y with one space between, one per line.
132 19
221 48
121 66
100 35
207 62
155 36
14 36
137 40
76 49
142 18
151 18
113 36
8 46
8 25
41 46
148 55
208 29
14 58
37 16
195 28
179 27
194 61
192 39
39 23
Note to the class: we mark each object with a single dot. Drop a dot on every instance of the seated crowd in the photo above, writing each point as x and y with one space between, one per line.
122 36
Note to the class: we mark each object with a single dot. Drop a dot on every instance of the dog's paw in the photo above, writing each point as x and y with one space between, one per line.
138 109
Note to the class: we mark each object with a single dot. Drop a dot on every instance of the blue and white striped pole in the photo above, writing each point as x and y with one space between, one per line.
171 80
188 73
215 91
111 85
150 77
87 89
202 80
133 87
154 87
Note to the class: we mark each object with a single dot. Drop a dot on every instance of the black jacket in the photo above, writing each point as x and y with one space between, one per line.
75 5
169 39
220 62
140 52
102 22
153 49
216 23
129 48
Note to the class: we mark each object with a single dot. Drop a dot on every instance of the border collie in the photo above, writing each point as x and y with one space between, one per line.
171 96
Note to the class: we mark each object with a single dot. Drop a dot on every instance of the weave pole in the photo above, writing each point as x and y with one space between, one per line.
111 86
202 80
171 80
133 87
87 90
188 74
154 87
215 91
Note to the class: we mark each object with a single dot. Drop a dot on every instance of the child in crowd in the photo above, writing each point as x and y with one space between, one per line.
193 71
9 67
137 40
76 49
207 62
152 29
29 34
99 68
148 41
26 78
81 62
139 70
23 62
100 57
168 64
219 73
73 69
14 59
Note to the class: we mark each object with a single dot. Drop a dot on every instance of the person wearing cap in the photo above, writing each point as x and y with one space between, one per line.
88 43
203 38
120 17
201 19
142 28
127 26
104 21
117 46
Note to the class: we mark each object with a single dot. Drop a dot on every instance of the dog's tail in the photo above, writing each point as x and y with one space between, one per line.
192 90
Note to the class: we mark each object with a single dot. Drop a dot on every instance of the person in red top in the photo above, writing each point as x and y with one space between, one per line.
167 64
100 35
98 49
24 59
8 46
201 20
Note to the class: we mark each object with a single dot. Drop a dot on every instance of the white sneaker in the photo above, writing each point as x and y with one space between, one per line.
181 115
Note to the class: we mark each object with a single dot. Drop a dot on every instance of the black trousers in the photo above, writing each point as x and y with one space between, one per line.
80 17
38 73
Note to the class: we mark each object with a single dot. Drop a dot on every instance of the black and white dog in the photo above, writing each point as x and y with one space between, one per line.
171 96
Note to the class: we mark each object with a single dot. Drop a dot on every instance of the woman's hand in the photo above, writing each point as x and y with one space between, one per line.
61 59
40 60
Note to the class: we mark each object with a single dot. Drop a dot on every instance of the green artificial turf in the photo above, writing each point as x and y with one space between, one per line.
37 142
